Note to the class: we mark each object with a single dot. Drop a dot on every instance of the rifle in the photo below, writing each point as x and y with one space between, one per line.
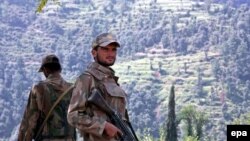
128 132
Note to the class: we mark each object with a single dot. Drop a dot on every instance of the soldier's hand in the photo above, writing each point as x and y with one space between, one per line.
111 130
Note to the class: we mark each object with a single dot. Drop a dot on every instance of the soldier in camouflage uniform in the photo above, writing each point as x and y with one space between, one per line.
94 124
41 98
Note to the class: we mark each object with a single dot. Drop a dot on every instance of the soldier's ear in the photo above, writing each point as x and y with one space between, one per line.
94 53
45 72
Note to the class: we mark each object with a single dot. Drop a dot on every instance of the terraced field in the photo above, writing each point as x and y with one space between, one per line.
185 79
155 64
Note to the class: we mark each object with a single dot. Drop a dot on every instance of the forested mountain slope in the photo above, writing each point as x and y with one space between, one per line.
202 47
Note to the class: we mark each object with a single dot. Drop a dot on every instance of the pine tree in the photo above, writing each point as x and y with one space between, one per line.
171 121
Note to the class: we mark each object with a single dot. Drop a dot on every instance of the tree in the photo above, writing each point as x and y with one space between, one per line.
171 121
41 5
187 114
182 46
191 138
165 41
199 84
216 69
208 5
195 120
2 67
200 120
243 119
141 113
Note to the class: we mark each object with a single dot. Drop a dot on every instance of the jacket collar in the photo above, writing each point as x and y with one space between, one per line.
54 78
100 71
106 70
57 81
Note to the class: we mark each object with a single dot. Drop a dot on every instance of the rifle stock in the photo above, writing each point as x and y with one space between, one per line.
97 99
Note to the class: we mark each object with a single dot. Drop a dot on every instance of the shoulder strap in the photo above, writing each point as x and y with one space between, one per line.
51 109
96 80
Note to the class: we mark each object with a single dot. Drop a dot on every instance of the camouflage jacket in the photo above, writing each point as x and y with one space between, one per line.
87 118
39 104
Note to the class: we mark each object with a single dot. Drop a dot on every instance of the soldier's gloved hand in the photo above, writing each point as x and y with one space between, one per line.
111 131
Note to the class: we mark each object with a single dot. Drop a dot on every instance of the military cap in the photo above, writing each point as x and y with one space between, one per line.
104 39
49 59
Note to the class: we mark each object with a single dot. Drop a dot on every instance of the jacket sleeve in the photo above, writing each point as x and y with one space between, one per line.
78 113
30 117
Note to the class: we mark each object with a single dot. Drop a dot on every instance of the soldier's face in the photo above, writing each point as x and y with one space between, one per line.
105 56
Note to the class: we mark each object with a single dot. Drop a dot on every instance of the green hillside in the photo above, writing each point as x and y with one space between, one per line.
185 79
200 47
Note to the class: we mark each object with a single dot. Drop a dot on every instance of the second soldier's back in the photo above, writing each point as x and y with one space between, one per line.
56 126
42 97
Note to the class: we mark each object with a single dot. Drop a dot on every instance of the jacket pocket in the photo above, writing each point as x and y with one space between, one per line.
114 90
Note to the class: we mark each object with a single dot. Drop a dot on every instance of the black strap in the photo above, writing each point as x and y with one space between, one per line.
132 129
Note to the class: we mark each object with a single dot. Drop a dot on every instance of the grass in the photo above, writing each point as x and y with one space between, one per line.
185 83
173 65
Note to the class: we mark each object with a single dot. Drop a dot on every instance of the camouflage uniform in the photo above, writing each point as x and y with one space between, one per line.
89 119
39 104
